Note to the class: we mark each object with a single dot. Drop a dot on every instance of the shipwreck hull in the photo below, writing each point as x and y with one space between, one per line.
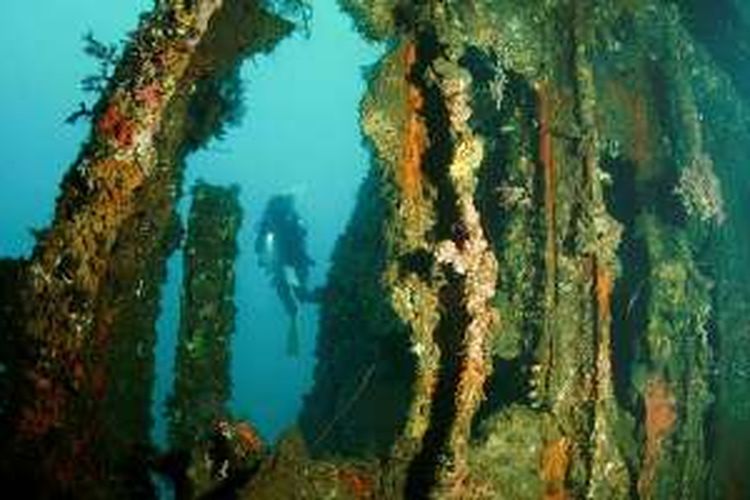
542 292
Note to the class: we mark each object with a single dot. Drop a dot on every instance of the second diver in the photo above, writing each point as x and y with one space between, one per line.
281 249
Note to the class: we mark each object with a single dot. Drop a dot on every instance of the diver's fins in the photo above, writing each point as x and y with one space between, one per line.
292 337
290 276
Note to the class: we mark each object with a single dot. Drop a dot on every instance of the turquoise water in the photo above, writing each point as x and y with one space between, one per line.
39 88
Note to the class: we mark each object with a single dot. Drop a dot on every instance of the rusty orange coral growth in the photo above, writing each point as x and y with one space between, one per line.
555 460
603 293
660 418
249 438
661 413
415 132
359 483
116 125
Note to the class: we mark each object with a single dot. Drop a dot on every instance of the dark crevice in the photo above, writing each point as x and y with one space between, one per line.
419 262
631 293
422 474
450 331
439 154
508 384
13 352
406 13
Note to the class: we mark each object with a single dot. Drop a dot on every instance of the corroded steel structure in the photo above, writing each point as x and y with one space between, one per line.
542 292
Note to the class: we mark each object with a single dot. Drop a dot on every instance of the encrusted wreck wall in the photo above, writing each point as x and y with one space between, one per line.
563 201
446 242
62 418
90 302
202 384
126 332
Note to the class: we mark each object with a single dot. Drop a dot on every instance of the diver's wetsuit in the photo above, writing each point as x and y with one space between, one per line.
281 249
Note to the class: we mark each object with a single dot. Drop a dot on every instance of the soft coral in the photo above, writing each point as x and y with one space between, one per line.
114 124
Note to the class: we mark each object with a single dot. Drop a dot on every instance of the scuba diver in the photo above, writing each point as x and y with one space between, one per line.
280 246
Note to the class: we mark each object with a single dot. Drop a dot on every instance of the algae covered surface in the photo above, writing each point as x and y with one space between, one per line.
542 290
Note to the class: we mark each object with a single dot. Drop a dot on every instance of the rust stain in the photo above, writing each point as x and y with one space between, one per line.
117 125
604 286
357 482
547 159
415 132
660 419
555 461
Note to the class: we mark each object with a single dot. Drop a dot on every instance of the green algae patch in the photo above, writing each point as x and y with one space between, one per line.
505 459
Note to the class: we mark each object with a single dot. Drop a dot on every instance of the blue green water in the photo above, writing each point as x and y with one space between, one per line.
39 88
